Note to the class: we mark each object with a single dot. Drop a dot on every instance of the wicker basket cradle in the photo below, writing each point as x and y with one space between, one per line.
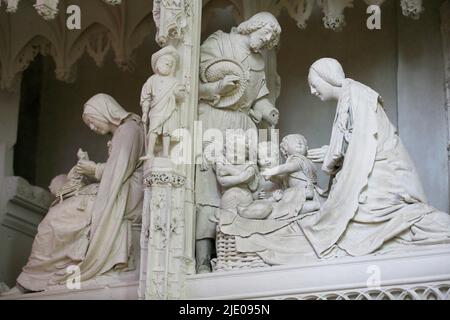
228 258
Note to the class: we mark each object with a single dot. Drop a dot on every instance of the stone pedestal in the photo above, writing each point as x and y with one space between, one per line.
420 276
25 207
162 235
424 275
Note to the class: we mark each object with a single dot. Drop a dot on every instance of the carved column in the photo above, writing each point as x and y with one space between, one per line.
445 19
163 261
168 228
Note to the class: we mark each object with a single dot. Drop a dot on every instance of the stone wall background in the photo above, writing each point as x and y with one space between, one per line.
403 62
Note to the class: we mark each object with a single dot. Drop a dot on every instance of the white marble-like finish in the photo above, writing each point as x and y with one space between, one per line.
404 271
421 276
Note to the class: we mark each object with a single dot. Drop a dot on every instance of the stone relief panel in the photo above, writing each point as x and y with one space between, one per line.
260 213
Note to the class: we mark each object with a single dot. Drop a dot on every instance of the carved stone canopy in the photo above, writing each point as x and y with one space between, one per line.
301 10
123 30
47 9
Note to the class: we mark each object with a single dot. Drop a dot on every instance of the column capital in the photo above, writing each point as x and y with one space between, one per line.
163 173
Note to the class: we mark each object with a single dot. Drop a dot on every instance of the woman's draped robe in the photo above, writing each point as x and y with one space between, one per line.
97 239
376 195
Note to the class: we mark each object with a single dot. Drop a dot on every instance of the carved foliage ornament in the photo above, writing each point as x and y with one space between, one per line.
47 9
11 5
301 10
170 17
412 8
173 11
163 178
333 10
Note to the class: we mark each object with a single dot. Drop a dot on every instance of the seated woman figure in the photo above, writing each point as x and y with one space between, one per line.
91 228
376 202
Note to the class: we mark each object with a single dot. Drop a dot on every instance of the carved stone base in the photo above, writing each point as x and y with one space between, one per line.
24 208
420 276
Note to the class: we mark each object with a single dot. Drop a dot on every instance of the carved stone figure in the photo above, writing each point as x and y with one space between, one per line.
299 171
233 95
269 157
91 228
238 180
264 231
376 203
160 99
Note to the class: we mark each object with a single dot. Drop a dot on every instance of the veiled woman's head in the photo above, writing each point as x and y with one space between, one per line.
325 76
102 114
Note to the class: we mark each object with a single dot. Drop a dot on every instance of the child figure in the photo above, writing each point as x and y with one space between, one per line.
299 170
160 97
269 157
239 180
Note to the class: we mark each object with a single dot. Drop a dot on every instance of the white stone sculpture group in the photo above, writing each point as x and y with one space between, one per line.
375 203
253 210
